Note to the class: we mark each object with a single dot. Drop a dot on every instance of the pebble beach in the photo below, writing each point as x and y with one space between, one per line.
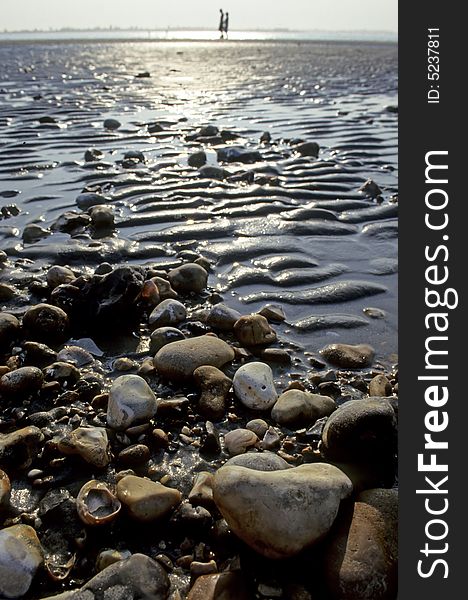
198 324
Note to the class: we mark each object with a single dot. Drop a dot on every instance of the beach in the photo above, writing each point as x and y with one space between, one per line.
261 177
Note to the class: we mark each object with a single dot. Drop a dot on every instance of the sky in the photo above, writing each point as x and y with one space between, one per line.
330 15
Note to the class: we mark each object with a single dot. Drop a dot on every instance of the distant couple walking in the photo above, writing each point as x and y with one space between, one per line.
223 24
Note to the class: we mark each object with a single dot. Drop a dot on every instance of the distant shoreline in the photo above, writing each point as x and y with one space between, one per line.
194 29
194 35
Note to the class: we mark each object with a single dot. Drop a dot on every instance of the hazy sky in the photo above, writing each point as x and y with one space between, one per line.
252 14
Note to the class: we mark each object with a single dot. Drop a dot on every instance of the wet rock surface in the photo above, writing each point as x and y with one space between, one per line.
136 577
279 513
361 560
181 359
20 557
121 483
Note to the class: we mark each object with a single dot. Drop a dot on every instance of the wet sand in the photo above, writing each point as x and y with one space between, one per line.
311 211
272 222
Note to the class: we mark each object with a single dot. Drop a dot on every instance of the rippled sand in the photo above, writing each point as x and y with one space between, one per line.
287 228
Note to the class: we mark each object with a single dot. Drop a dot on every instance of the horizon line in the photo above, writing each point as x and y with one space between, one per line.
181 28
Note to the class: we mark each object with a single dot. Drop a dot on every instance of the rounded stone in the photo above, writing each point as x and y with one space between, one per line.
361 555
110 557
168 312
180 359
9 329
254 330
112 124
25 380
131 401
102 217
220 586
380 386
239 441
21 556
58 275
308 149
254 386
258 426
272 312
135 455
346 356
360 430
222 317
91 443
136 577
46 323
164 288
197 159
298 408
259 461
201 493
75 355
164 335
188 278
280 513
18 448
214 386
147 500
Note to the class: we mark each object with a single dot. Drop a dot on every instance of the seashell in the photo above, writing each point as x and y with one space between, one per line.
96 504
59 572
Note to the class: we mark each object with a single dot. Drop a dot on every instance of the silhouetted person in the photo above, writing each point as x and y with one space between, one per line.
221 24
226 24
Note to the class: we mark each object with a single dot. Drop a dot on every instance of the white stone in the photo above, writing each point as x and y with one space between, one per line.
131 400
168 312
254 386
20 557
280 513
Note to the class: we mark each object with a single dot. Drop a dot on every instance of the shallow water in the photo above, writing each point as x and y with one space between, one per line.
308 239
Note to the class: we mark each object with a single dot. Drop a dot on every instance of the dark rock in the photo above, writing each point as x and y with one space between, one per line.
20 447
93 154
110 299
235 154
135 455
214 386
136 578
197 160
45 323
188 278
191 519
220 586
346 356
222 317
210 440
71 221
361 430
361 555
21 382
33 233
380 386
112 124
254 330
9 330
88 199
308 149
210 172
